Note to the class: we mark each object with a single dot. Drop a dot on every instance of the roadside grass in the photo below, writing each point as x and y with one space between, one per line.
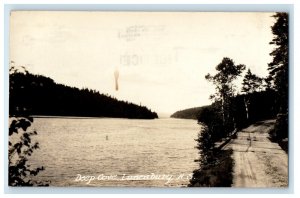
217 174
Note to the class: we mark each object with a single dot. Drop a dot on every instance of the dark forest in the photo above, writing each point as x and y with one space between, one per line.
39 95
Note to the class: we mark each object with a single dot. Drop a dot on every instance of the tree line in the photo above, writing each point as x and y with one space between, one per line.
191 113
39 95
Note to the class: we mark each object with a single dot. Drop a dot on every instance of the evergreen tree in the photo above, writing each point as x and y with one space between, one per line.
279 71
251 83
223 80
278 68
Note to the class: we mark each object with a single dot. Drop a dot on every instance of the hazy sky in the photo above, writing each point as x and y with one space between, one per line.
162 57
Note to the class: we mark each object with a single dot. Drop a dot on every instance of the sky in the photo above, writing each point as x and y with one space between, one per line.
161 57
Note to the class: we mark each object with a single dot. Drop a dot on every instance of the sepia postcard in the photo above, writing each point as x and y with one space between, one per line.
148 99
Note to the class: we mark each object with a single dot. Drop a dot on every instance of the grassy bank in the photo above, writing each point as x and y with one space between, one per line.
216 174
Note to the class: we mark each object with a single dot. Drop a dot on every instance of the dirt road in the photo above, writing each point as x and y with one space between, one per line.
258 162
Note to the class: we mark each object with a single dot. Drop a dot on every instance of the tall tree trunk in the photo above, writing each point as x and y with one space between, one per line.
247 102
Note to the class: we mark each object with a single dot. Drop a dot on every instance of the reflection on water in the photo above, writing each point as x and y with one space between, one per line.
122 152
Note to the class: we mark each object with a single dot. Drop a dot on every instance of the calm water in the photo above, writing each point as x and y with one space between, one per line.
117 152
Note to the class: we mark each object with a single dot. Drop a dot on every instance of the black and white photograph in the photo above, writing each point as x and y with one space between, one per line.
148 99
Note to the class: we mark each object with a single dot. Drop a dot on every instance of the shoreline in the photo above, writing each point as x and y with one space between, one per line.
81 117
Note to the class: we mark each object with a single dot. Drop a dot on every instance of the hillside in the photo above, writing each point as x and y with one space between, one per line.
191 113
40 95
